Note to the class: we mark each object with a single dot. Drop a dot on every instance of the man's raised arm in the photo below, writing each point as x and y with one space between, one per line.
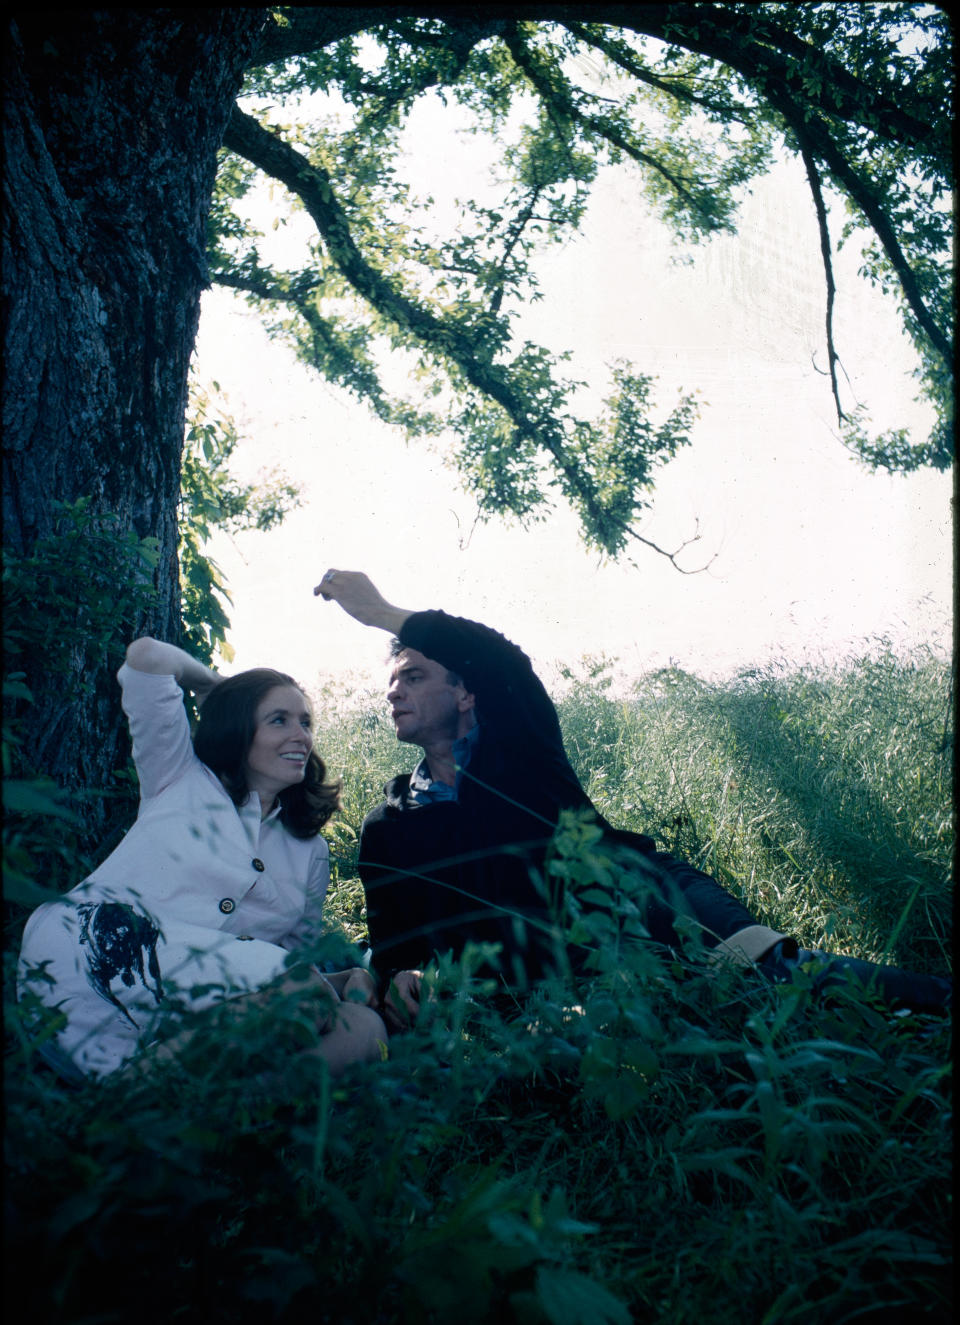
361 599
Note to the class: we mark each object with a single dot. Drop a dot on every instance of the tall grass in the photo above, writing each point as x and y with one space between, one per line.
821 796
647 1141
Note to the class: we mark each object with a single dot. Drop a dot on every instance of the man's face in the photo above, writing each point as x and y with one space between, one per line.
426 709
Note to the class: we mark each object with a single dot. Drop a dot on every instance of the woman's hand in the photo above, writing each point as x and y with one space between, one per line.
361 599
401 1005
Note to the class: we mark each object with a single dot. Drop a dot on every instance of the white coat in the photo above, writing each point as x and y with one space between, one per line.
227 893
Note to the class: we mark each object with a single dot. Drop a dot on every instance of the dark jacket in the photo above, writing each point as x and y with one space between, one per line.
436 875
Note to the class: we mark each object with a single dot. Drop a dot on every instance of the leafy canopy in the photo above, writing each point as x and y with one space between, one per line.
697 98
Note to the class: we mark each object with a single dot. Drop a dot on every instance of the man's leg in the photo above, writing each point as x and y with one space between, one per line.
896 987
733 934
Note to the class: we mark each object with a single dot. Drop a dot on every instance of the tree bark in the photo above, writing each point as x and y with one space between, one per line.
112 121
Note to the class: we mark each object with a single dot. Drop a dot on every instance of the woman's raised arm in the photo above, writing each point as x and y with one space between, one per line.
153 655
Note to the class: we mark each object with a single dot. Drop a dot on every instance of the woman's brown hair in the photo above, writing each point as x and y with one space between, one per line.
222 740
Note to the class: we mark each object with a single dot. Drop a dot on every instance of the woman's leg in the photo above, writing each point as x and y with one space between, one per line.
346 1032
93 982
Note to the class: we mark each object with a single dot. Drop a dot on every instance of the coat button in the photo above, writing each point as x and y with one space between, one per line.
258 865
227 905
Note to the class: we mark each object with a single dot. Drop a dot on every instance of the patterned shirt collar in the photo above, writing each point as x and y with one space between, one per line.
425 791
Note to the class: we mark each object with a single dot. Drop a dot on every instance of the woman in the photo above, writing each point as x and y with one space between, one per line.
221 876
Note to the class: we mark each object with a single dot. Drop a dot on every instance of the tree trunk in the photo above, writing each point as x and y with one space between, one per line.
112 121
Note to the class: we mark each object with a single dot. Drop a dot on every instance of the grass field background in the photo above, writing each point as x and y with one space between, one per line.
649 1141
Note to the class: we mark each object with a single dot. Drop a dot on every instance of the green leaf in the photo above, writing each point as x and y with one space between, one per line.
36 796
569 1298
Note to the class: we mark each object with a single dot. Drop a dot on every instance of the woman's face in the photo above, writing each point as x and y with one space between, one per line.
282 740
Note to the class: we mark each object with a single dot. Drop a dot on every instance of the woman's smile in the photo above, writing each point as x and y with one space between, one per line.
282 741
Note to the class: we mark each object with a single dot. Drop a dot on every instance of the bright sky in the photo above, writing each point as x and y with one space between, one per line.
813 555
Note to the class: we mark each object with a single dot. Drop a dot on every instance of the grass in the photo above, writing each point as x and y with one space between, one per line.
652 1141
822 797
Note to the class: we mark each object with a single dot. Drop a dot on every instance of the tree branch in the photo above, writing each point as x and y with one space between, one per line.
513 237
618 53
305 29
458 44
553 94
747 41
672 556
313 185
337 360
813 175
852 100
819 141
771 57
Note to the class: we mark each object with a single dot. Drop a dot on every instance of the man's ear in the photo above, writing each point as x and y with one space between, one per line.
466 702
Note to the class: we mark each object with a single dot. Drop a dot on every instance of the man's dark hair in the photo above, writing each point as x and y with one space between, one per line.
222 740
397 647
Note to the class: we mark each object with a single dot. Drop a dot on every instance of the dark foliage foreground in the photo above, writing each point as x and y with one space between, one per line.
651 1140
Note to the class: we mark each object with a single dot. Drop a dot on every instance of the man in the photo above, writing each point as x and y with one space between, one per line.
456 851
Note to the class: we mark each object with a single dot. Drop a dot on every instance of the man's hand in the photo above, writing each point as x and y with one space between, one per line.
361 599
401 1006
359 987
354 985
